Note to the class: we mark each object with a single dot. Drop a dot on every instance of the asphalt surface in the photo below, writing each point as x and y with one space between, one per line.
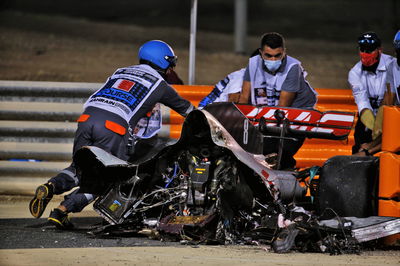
28 241
25 233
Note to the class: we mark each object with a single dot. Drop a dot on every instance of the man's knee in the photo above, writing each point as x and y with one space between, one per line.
65 180
75 202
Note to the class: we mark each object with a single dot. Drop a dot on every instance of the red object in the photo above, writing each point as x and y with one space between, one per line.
83 118
330 122
125 85
265 174
368 59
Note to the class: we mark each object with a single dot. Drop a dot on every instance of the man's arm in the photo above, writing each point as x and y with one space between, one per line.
389 96
286 98
290 87
371 148
173 100
210 98
360 93
390 84
245 94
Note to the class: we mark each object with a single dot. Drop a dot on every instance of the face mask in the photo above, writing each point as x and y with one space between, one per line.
369 59
272 65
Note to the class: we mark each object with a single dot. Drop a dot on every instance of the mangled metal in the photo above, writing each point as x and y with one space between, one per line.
213 185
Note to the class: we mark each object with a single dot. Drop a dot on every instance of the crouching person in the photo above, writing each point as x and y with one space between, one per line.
127 96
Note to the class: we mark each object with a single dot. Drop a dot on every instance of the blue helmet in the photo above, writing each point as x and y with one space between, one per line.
158 53
396 40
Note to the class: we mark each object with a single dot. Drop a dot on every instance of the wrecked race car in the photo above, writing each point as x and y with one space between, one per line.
214 185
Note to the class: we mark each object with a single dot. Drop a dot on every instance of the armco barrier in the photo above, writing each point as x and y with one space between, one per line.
37 124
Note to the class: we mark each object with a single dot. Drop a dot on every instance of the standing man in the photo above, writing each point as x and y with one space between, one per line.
274 78
393 76
127 96
368 82
392 80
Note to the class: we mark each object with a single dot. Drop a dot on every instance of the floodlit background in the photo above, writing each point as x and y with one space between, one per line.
86 40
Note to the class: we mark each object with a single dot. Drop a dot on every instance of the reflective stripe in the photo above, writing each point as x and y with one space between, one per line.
83 118
191 108
72 175
114 127
55 220
89 197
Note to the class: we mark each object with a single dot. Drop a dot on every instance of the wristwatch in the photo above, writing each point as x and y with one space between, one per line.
366 152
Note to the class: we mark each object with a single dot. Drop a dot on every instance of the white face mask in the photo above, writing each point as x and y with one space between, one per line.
272 65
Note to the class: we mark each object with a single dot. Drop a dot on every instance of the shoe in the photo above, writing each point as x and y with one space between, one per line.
60 219
44 193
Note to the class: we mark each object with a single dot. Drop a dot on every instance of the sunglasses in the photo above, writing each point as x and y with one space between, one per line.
367 49
367 45
366 41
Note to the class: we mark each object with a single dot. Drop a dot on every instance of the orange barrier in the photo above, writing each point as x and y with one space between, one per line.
314 151
389 168
391 129
389 173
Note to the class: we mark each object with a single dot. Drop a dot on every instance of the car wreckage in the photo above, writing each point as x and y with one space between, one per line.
214 186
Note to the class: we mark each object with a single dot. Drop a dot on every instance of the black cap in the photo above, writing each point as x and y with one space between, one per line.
369 41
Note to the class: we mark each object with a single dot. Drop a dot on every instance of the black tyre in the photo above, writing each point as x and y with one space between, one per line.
348 185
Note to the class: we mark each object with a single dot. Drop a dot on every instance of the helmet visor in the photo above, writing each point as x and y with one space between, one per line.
171 60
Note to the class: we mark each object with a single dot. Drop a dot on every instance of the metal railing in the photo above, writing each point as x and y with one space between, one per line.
37 126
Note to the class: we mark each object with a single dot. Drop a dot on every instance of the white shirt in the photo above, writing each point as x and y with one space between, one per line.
393 78
233 84
368 87
230 84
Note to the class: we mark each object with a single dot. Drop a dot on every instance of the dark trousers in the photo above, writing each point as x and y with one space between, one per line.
90 133
361 135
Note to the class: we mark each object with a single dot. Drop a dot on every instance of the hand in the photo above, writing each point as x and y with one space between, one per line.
367 118
363 151
364 146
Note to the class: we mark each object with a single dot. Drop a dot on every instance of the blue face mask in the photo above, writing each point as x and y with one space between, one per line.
272 65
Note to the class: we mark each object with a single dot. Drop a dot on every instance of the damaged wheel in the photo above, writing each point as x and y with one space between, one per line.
348 186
